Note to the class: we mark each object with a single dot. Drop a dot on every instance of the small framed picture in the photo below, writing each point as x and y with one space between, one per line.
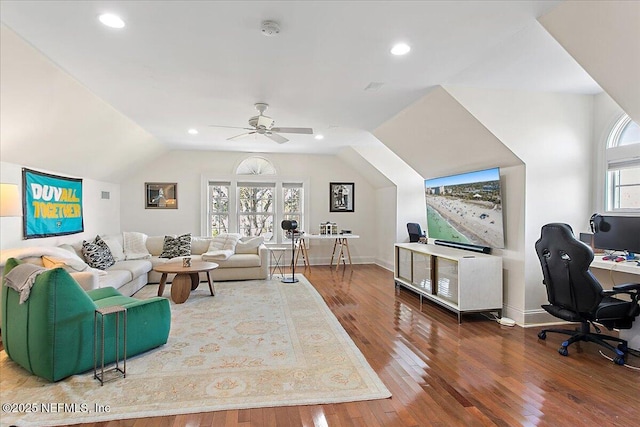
341 196
161 195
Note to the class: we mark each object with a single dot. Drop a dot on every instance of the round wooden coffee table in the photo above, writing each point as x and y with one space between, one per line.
186 280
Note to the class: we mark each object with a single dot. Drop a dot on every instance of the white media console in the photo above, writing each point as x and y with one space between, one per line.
459 280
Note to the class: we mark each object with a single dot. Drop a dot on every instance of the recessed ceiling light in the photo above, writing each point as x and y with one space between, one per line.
193 131
319 136
400 49
111 20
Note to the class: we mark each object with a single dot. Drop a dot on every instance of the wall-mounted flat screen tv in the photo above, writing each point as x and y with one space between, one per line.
466 208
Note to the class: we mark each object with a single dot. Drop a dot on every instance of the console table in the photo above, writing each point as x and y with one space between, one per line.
461 281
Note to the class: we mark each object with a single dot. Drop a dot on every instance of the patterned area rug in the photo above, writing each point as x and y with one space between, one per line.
255 344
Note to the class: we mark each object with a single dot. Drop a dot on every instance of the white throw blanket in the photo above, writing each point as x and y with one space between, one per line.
134 245
217 255
225 241
35 251
22 277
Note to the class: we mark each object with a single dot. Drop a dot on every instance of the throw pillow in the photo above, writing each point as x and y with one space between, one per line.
249 246
69 264
176 246
224 241
115 247
97 254
134 245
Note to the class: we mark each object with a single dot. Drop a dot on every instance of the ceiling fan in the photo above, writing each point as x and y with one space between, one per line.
263 125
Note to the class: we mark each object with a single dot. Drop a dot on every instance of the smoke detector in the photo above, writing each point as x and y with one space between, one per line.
270 28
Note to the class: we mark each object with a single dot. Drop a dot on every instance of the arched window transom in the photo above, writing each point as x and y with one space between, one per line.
623 166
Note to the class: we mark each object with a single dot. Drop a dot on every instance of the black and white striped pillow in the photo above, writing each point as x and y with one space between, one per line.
176 246
97 254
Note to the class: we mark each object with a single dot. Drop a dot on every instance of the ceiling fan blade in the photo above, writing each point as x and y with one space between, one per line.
229 127
306 131
242 135
277 138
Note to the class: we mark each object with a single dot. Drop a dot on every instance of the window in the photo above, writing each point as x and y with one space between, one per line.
255 165
292 202
255 208
219 207
623 166
254 202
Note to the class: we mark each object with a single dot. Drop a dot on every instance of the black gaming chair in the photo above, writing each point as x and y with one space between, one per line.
415 232
575 295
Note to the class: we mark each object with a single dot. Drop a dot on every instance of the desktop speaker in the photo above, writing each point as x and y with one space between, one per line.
588 239
465 246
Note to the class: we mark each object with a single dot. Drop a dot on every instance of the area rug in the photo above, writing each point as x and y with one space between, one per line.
255 344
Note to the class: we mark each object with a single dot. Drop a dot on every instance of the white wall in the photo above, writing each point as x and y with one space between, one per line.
387 225
552 134
407 195
512 180
187 169
604 38
51 121
100 216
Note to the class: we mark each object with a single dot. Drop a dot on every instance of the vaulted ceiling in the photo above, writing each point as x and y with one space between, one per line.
178 65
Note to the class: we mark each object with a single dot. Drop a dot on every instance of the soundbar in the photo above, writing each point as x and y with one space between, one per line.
465 246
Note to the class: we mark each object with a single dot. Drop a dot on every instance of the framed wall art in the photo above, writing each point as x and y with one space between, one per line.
161 195
341 196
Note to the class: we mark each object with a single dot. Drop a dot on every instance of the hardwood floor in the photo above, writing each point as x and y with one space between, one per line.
442 373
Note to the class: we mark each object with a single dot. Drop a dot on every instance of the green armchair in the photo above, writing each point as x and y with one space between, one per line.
51 334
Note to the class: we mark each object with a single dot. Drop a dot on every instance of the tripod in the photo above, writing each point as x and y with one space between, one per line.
292 279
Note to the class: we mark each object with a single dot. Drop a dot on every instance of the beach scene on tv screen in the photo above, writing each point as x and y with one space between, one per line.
466 208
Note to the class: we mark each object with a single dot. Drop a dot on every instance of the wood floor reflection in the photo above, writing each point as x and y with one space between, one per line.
442 373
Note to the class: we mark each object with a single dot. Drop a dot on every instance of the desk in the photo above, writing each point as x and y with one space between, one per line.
610 273
340 245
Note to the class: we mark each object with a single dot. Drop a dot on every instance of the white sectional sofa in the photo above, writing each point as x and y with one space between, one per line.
128 276
245 264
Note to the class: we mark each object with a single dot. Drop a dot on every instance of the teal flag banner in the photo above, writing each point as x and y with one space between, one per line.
52 205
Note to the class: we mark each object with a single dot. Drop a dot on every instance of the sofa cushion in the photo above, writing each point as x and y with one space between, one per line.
73 249
155 260
176 246
115 247
240 260
155 245
97 254
249 245
135 267
115 278
200 245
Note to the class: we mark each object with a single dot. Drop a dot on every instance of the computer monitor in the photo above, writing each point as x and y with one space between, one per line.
618 233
